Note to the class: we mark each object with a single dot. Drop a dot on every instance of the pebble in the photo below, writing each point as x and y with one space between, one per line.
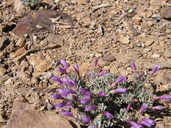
109 58
124 40
155 55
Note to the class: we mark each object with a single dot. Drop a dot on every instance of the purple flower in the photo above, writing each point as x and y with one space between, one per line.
95 62
108 115
63 62
86 119
66 113
141 75
76 69
135 125
147 122
90 107
68 105
60 105
62 70
156 67
101 94
120 79
128 107
85 92
85 100
119 90
57 80
56 96
65 91
133 67
73 83
102 73
157 107
67 82
143 108
164 97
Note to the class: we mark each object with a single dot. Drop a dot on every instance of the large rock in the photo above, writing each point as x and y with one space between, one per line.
166 12
23 116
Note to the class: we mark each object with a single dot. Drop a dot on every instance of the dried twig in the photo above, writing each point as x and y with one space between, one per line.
101 6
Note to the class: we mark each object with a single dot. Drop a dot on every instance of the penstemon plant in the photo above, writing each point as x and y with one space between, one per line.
105 100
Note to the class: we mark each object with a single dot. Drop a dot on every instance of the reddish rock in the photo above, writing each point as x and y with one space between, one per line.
166 12
23 116
109 58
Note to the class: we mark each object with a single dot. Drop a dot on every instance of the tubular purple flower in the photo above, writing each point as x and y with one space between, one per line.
147 122
95 62
60 105
143 108
68 105
156 67
57 80
65 91
62 70
56 96
85 92
128 107
119 90
166 97
66 81
90 107
133 67
76 69
66 113
73 83
62 92
63 62
86 119
135 125
120 79
157 107
108 115
141 75
101 94
85 100
102 73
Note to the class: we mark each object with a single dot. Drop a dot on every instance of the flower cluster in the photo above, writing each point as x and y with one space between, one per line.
104 99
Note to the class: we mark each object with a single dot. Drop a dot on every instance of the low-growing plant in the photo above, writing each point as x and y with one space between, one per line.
104 100
31 3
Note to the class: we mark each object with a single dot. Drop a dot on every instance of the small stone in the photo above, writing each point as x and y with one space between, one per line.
155 55
109 58
21 42
81 1
55 39
43 66
149 42
156 16
35 59
167 54
2 71
98 55
22 75
4 41
124 40
18 52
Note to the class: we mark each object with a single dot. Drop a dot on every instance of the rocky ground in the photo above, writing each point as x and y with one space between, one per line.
80 31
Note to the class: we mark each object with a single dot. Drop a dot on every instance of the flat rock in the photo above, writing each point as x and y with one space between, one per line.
2 71
109 58
43 66
4 41
166 12
124 40
23 116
